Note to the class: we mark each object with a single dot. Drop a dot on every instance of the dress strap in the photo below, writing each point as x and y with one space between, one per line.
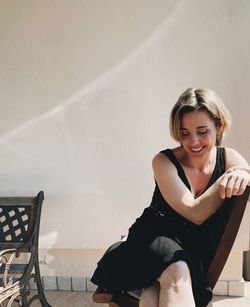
220 166
222 159
171 156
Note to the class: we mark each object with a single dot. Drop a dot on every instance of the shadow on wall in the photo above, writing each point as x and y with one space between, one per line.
62 47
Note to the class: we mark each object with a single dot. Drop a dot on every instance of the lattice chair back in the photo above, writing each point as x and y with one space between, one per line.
20 218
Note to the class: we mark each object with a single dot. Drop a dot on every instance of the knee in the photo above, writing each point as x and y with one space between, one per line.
176 273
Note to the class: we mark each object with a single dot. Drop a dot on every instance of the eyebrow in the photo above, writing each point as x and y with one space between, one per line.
199 127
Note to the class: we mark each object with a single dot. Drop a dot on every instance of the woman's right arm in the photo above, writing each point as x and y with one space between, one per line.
180 198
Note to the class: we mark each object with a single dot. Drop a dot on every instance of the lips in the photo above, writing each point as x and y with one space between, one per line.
197 149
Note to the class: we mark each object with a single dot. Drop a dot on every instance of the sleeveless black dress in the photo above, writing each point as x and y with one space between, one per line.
159 237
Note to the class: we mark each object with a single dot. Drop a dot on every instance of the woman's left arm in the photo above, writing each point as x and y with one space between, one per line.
237 175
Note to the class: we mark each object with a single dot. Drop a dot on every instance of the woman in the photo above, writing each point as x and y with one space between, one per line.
168 249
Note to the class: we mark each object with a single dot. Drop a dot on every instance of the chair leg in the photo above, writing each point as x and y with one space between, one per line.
40 291
24 302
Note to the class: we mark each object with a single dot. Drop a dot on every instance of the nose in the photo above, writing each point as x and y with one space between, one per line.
194 139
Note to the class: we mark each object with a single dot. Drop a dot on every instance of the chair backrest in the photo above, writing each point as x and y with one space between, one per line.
235 208
19 261
20 219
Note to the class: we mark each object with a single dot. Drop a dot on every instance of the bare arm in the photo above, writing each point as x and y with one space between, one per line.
181 199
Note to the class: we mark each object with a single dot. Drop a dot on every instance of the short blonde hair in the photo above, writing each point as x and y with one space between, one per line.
202 99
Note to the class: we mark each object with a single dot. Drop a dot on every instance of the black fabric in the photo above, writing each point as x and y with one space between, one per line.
159 237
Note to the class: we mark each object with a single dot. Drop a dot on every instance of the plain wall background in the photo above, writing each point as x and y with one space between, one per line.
86 88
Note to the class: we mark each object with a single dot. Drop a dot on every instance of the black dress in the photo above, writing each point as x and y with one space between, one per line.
159 237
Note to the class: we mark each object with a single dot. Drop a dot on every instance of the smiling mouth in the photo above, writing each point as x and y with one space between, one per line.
197 149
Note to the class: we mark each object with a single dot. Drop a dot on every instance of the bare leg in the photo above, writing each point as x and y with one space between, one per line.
150 296
175 286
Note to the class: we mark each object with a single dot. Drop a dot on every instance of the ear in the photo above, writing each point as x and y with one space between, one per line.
219 127
219 133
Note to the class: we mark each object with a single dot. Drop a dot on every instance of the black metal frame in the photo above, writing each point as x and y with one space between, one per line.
19 234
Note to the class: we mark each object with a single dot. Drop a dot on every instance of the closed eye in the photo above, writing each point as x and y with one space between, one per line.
202 132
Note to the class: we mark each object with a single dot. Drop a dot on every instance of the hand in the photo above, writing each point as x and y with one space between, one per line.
239 167
234 181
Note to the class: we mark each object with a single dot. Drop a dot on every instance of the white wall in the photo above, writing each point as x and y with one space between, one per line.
86 88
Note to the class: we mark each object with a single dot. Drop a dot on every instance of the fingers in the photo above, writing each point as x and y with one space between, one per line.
237 186
223 186
242 187
233 183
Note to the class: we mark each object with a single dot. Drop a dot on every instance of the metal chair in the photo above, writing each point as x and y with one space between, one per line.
19 233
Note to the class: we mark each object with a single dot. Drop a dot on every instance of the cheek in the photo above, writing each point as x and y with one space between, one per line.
209 138
184 141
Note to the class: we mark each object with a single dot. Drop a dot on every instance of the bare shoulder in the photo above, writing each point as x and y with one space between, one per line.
160 158
233 157
161 162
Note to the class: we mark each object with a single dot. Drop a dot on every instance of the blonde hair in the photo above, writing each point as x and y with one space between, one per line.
202 99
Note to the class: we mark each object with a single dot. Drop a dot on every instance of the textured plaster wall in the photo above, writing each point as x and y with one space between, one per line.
86 88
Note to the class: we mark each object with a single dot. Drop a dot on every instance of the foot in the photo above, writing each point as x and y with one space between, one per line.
102 295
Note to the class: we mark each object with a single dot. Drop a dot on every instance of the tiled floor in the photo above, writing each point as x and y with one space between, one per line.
83 299
69 299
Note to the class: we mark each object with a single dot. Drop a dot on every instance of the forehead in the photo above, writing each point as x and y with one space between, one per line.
196 119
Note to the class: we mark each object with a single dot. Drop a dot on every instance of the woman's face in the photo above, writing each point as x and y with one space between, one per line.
198 133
